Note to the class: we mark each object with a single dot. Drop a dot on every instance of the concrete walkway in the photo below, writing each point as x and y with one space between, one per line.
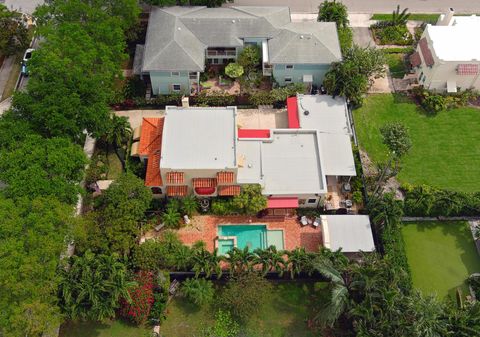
5 73
5 105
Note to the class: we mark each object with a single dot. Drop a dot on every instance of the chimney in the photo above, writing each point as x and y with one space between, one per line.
446 19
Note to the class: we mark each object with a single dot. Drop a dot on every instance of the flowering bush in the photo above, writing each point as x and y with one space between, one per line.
139 308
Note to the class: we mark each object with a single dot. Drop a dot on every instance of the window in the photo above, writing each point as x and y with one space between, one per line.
289 66
215 61
301 201
312 201
175 73
176 87
192 75
288 80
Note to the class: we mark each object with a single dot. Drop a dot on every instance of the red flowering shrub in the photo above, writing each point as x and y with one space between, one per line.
142 299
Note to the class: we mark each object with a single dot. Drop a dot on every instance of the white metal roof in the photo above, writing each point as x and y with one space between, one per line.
325 114
456 42
351 233
336 153
199 138
287 163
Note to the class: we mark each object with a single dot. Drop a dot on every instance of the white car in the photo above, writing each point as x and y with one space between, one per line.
27 56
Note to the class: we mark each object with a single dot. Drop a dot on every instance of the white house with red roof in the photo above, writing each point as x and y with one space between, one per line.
447 57
202 151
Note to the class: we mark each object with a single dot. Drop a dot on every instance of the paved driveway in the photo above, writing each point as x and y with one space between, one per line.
362 37
371 6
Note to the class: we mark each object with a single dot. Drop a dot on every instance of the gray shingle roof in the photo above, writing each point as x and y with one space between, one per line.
305 42
178 36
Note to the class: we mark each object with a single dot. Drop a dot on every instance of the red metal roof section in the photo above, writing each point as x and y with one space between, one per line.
150 145
228 190
426 52
282 202
415 59
205 190
177 191
292 110
175 178
204 182
225 177
253 133
467 69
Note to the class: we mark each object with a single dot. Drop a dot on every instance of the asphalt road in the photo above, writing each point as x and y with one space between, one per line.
372 6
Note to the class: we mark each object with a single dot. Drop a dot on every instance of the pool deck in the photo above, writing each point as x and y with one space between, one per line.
204 228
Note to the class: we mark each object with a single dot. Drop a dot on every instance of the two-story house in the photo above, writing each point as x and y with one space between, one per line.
181 41
447 57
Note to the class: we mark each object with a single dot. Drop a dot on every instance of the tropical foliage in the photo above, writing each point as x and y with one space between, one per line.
198 290
234 70
224 326
333 11
92 286
250 200
137 306
395 137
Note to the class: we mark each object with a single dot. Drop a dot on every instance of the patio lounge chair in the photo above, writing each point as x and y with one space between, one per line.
186 219
303 220
317 222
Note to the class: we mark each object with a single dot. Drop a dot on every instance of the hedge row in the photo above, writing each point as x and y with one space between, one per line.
425 200
394 250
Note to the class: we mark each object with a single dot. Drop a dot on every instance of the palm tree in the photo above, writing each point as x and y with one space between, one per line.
205 262
171 218
399 18
385 210
332 11
183 258
270 259
189 205
240 260
298 261
339 298
92 287
118 134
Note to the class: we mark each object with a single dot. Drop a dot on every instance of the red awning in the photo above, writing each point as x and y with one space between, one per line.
253 133
204 190
415 59
292 110
282 203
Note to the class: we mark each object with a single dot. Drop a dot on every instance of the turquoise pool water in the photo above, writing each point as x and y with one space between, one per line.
251 236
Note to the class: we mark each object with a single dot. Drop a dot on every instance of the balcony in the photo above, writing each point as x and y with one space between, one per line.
221 52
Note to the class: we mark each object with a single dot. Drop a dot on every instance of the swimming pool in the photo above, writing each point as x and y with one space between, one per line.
251 236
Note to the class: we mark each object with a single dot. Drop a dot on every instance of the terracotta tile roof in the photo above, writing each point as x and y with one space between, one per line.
204 182
151 135
150 145
225 177
176 178
177 191
228 190
415 59
467 69
426 52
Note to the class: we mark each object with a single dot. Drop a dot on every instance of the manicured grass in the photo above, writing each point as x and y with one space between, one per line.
284 315
428 18
445 151
441 256
396 64
112 329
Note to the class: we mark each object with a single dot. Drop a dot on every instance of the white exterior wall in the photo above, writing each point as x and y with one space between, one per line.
436 77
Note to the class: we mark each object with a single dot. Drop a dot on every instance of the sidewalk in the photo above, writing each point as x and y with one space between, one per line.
5 73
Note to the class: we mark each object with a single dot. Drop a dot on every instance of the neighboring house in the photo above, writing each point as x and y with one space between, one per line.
447 56
201 151
182 41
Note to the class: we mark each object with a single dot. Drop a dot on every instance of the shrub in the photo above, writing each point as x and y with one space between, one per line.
249 58
261 98
345 37
142 299
281 94
160 296
198 291
398 35
395 137
218 98
434 103
189 205
134 87
223 207
244 295
250 200
357 197
224 326
394 250
474 282
234 70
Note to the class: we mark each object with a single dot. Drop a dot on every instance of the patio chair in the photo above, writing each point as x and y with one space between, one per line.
317 222
158 227
303 220
186 219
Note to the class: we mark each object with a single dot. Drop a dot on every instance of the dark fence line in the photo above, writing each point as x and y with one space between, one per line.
440 218
273 276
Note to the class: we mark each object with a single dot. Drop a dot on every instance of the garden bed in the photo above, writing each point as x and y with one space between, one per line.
427 18
441 256
108 329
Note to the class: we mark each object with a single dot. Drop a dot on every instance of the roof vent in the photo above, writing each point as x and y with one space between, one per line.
249 165
233 21
306 112
301 36
179 28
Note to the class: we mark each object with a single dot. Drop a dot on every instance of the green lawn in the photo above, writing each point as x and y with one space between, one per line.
396 64
446 147
441 256
283 315
113 329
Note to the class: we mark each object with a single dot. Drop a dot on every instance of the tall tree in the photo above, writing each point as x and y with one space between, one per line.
333 11
13 32
250 200
38 166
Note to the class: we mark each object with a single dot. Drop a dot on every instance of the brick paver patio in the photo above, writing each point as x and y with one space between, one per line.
204 228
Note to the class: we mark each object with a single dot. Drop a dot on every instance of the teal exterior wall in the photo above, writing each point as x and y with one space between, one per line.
316 70
162 82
